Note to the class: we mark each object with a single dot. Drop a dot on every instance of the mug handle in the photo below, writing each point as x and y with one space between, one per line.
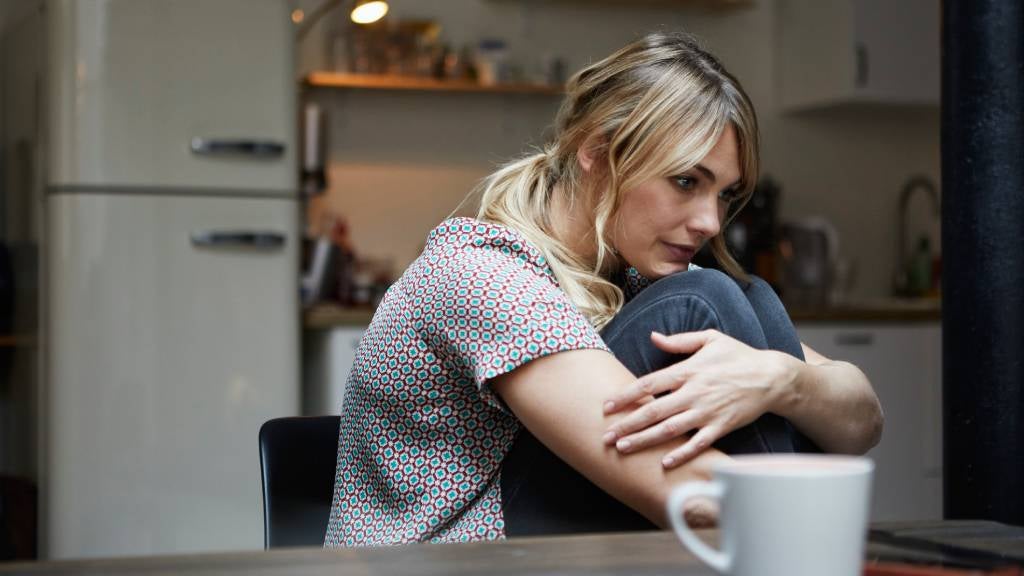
717 559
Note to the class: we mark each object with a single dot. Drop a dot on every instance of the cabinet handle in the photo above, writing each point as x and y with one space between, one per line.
262 240
855 339
227 147
863 65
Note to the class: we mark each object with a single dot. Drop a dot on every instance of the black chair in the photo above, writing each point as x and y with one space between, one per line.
298 457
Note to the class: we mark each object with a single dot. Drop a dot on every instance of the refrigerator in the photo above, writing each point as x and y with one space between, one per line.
171 271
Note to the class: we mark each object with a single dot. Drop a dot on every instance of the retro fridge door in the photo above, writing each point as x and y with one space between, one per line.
191 93
173 337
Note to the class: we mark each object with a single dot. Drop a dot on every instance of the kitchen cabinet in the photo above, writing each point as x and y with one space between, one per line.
858 51
904 363
328 356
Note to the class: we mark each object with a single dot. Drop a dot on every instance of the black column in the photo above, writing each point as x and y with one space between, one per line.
983 258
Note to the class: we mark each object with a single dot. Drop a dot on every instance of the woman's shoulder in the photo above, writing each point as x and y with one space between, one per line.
463 238
472 232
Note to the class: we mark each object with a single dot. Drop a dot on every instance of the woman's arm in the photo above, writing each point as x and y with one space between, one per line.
559 399
726 384
832 402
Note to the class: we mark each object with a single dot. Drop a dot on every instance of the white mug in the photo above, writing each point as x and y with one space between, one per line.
783 514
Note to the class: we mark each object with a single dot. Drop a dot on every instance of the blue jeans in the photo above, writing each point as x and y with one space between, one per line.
543 495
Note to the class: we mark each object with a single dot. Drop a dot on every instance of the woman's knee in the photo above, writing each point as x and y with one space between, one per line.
759 291
714 286
757 284
688 301
725 292
771 313
685 302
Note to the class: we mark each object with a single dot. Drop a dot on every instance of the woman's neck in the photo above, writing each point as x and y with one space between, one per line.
573 224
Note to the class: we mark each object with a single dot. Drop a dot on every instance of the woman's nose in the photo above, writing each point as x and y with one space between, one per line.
705 221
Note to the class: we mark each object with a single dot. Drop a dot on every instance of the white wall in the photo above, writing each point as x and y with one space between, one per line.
400 162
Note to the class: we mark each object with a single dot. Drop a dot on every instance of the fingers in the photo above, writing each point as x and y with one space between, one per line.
684 342
649 414
664 380
701 512
672 427
704 438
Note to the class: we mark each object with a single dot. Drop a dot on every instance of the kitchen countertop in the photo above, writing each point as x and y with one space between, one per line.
872 310
890 310
325 316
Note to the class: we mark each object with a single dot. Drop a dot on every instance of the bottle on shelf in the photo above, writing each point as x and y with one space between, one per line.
919 276
492 62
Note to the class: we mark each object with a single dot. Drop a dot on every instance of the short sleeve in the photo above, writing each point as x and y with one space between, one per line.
489 307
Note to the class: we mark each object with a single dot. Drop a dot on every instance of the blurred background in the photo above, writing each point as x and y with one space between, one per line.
201 201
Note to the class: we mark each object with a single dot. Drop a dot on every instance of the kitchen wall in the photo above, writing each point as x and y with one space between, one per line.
7 7
400 162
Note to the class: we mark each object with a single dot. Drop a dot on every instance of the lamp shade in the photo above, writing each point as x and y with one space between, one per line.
368 11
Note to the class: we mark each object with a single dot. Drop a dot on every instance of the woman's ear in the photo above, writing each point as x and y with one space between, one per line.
589 152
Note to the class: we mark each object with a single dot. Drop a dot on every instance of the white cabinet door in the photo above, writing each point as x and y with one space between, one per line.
897 46
836 52
133 82
903 363
165 358
328 357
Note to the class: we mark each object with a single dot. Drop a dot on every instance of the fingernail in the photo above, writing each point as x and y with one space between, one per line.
668 461
609 437
656 333
623 444
609 406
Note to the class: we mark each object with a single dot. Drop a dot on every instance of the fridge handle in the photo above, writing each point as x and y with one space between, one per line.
239 239
229 147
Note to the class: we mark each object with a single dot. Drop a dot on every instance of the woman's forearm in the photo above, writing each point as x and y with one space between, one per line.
558 399
832 403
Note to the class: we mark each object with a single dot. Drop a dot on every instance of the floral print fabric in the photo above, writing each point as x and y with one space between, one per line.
423 437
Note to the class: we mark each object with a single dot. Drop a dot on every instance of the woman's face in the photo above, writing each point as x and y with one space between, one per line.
663 222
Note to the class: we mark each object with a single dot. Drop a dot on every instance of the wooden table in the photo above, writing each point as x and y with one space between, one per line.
637 553
644 553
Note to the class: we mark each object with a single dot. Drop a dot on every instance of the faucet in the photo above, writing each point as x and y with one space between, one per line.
913 184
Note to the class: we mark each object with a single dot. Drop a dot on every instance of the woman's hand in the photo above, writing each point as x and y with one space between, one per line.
723 386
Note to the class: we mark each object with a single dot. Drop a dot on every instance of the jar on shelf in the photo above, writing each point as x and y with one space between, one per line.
492 62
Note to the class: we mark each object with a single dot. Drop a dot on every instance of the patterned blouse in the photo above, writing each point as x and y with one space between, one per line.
423 438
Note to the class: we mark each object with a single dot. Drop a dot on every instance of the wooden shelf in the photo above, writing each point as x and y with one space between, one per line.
704 4
388 82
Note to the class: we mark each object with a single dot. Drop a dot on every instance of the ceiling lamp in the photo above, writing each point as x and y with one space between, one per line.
369 11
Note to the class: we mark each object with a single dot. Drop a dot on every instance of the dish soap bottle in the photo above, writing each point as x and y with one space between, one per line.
919 277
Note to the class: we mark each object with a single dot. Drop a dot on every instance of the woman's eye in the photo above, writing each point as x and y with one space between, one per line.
729 195
685 182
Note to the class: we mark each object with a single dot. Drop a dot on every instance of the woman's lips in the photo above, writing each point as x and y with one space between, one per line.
679 252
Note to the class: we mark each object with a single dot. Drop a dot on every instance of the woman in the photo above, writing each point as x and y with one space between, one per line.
495 392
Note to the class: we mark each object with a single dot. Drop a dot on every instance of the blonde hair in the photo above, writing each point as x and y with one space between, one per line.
659 105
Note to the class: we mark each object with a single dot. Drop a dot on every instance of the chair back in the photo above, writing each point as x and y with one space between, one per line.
298 456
